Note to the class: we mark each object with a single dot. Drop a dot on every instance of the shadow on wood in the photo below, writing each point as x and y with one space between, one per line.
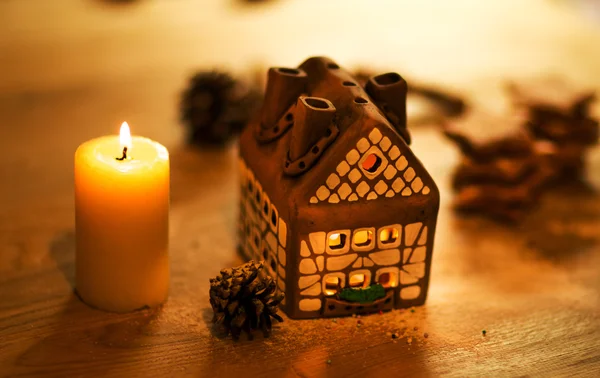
79 340
62 250
196 172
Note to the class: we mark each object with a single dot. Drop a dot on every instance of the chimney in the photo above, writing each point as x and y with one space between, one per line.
389 90
284 85
313 117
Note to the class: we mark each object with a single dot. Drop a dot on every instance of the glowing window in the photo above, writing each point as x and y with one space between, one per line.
332 285
388 279
337 241
388 235
357 280
362 238
372 163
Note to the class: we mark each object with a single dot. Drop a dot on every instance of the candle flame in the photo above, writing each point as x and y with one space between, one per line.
125 136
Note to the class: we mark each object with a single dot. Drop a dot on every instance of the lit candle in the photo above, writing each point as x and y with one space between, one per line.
122 222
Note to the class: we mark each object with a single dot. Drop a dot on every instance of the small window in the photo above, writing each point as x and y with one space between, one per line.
273 266
265 254
250 187
388 279
363 238
266 207
388 235
337 241
357 280
257 197
332 285
274 216
372 163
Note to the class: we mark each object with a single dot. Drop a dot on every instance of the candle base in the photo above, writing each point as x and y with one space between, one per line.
121 285
118 310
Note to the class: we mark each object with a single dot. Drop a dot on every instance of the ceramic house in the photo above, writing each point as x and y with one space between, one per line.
332 197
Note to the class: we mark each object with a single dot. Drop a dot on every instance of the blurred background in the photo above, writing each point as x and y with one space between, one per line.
71 70
468 44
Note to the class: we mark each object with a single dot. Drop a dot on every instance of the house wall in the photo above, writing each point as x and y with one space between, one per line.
407 258
263 235
262 232
399 183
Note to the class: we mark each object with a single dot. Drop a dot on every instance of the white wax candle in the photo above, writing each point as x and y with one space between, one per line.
122 222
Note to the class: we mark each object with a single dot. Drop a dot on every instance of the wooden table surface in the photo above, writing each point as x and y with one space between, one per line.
72 70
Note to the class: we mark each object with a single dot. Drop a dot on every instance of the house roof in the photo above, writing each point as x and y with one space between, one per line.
362 128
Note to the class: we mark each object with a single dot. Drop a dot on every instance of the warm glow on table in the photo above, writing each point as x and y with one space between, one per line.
122 222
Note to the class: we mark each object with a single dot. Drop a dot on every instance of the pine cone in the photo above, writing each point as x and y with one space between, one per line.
244 298
215 107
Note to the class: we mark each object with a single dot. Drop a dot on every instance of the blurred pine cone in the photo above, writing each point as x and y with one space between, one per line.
244 298
215 107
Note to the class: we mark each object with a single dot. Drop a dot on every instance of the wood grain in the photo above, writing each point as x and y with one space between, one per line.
72 70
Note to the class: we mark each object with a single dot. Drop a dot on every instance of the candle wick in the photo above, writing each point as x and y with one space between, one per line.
124 154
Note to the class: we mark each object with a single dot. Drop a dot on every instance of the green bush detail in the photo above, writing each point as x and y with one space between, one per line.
366 295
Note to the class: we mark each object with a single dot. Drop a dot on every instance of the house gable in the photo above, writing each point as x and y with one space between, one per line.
378 165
